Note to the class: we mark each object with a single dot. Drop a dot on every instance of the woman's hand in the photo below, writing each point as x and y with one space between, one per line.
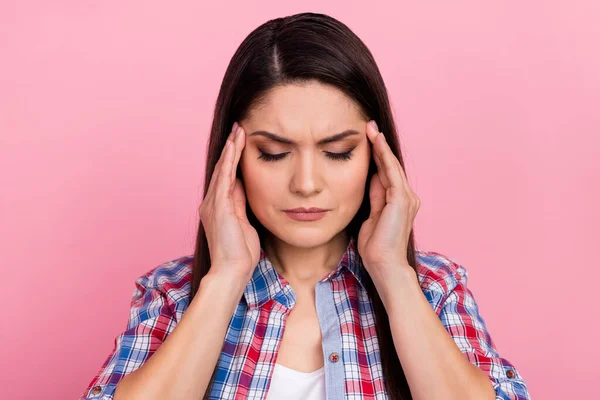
233 243
383 237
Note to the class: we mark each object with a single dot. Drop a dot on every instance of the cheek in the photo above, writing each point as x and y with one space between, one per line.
258 193
348 184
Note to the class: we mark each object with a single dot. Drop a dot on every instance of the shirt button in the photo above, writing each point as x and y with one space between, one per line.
334 357
510 373
96 390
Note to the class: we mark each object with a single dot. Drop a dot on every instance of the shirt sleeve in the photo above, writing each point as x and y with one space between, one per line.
151 320
460 316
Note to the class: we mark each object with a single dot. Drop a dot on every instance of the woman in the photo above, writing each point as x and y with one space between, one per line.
280 301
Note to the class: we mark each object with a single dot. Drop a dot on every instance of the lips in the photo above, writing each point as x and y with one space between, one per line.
306 214
306 210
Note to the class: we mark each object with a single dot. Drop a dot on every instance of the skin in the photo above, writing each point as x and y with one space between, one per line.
304 252
307 113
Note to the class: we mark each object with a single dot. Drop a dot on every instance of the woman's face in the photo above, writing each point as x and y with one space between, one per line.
305 173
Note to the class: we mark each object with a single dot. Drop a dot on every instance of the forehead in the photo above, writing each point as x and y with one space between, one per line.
311 108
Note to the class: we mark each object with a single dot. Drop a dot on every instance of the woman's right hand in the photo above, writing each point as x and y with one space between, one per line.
233 243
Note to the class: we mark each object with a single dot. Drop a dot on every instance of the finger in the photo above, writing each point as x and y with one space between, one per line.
239 199
387 159
382 177
405 179
377 195
403 175
217 168
224 177
239 140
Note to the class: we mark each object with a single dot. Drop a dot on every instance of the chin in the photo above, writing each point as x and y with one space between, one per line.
301 234
305 237
294 234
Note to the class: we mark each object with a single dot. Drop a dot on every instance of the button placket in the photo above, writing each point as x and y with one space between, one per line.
331 341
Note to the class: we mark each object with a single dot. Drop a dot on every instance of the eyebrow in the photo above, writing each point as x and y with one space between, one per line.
330 139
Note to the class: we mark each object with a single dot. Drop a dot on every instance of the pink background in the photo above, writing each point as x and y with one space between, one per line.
105 109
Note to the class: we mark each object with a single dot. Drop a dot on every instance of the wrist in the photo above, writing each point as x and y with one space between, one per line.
396 282
225 280
388 276
222 291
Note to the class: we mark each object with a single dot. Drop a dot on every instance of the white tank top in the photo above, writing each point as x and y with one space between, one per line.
289 384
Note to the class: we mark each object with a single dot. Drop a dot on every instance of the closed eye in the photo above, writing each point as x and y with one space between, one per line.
334 156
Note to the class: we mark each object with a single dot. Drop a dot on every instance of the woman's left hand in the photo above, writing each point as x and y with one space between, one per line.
383 237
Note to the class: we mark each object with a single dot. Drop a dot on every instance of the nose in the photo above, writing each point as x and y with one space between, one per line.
306 175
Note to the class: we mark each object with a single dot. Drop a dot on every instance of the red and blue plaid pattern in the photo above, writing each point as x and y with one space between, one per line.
248 356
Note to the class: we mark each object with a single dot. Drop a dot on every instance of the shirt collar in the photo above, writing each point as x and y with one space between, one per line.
266 283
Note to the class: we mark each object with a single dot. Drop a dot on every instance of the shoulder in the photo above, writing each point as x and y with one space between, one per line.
438 274
171 280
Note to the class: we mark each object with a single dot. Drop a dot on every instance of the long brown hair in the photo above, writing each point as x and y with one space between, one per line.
296 49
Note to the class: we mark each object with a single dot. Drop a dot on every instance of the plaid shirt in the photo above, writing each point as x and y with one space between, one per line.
353 368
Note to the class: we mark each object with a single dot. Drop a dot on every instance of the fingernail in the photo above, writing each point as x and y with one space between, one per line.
234 127
374 125
237 130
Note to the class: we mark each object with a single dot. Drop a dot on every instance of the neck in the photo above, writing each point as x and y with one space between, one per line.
305 266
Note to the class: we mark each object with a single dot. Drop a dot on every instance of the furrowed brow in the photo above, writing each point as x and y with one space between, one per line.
329 139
